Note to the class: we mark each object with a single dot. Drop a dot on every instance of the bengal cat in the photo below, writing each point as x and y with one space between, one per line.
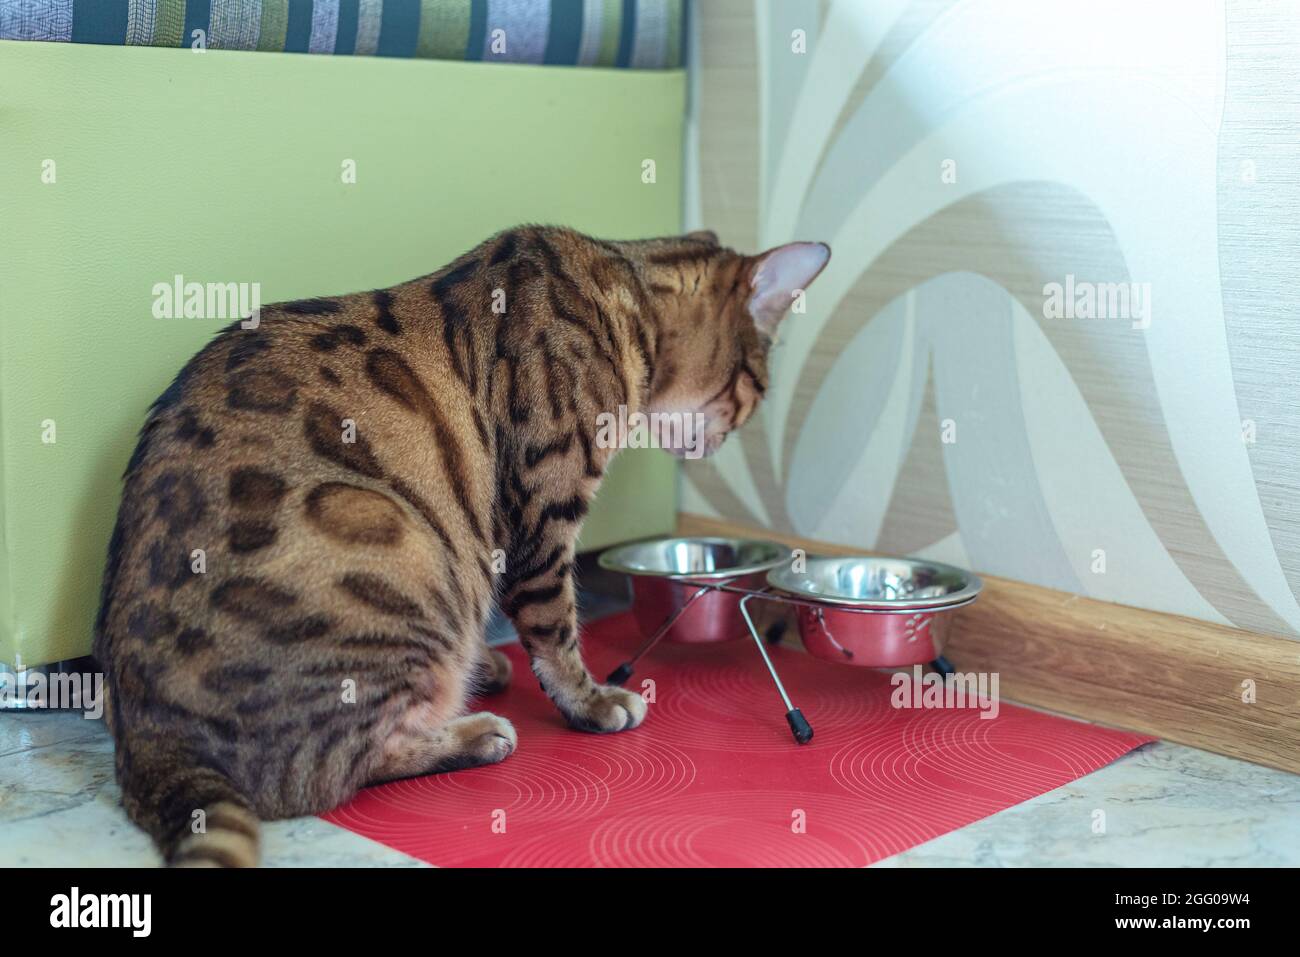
303 563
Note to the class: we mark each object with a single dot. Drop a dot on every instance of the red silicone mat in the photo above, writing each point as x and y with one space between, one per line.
713 777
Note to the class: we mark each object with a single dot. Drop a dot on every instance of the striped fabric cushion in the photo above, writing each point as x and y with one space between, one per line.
634 34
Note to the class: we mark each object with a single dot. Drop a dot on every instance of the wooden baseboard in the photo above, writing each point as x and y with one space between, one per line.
1178 678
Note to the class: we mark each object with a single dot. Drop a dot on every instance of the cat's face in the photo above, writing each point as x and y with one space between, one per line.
719 315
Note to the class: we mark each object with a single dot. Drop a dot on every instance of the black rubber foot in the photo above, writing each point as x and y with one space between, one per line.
799 725
943 666
775 633
620 674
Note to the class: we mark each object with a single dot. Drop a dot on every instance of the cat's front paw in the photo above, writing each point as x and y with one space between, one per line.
607 709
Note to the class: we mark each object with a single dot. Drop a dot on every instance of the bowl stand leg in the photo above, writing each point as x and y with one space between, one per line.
799 725
624 671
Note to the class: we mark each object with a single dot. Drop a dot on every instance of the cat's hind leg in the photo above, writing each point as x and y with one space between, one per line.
469 741
493 674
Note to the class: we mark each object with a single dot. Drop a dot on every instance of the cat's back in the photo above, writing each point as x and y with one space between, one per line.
285 526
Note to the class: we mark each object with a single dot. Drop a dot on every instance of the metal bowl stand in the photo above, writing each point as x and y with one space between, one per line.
799 725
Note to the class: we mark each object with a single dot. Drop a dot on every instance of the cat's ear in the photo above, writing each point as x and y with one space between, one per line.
705 236
778 276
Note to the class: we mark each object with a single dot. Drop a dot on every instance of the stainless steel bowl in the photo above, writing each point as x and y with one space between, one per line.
876 611
662 573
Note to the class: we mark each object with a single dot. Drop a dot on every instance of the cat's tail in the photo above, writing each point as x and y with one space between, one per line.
195 814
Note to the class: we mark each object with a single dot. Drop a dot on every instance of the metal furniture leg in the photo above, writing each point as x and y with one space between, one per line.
624 671
799 725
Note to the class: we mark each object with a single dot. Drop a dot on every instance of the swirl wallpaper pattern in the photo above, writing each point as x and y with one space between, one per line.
1058 340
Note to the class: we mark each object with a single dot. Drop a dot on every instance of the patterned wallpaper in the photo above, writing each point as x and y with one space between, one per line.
1059 338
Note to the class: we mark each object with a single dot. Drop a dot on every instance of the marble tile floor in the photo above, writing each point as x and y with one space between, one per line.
1164 804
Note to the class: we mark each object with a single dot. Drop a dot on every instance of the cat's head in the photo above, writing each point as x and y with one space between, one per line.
719 312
